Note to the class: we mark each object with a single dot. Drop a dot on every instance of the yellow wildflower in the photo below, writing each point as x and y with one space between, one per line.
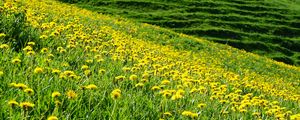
155 88
52 118
165 82
29 91
71 94
13 103
201 105
120 77
167 114
2 35
16 61
115 94
133 77
55 94
26 105
139 85
1 73
31 43
4 46
38 70
90 87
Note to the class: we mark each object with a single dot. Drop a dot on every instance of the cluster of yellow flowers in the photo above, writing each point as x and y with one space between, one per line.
85 55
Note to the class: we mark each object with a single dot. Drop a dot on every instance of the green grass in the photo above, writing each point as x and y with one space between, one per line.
241 24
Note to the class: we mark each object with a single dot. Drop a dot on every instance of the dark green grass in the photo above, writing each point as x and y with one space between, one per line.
269 28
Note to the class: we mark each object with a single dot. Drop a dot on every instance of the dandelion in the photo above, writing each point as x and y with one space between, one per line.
44 50
71 94
167 114
115 94
120 78
1 73
13 103
38 70
165 82
55 94
101 71
26 105
139 85
4 46
52 118
19 85
87 72
30 53
27 49
155 88
16 61
31 43
189 114
201 105
90 87
84 67
29 91
2 35
133 77
126 69
43 37
55 71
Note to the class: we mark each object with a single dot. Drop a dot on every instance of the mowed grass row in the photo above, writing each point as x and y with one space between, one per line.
78 64
241 24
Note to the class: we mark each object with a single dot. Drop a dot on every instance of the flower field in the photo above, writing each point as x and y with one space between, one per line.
58 61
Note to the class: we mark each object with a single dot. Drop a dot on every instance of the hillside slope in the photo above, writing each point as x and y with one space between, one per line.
269 28
60 61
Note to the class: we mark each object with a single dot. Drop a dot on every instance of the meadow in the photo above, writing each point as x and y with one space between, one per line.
266 27
58 61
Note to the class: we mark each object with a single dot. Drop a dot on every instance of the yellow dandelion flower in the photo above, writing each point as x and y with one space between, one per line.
4 46
87 72
145 75
44 50
1 73
101 71
155 88
52 118
31 43
90 87
133 77
55 94
38 70
16 61
256 114
186 113
167 114
71 94
2 35
55 71
201 105
13 103
126 69
29 91
27 49
165 82
139 85
26 105
19 85
115 94
120 78
43 37
30 53
84 67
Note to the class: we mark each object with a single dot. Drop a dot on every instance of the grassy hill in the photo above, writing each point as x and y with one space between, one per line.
269 28
58 61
